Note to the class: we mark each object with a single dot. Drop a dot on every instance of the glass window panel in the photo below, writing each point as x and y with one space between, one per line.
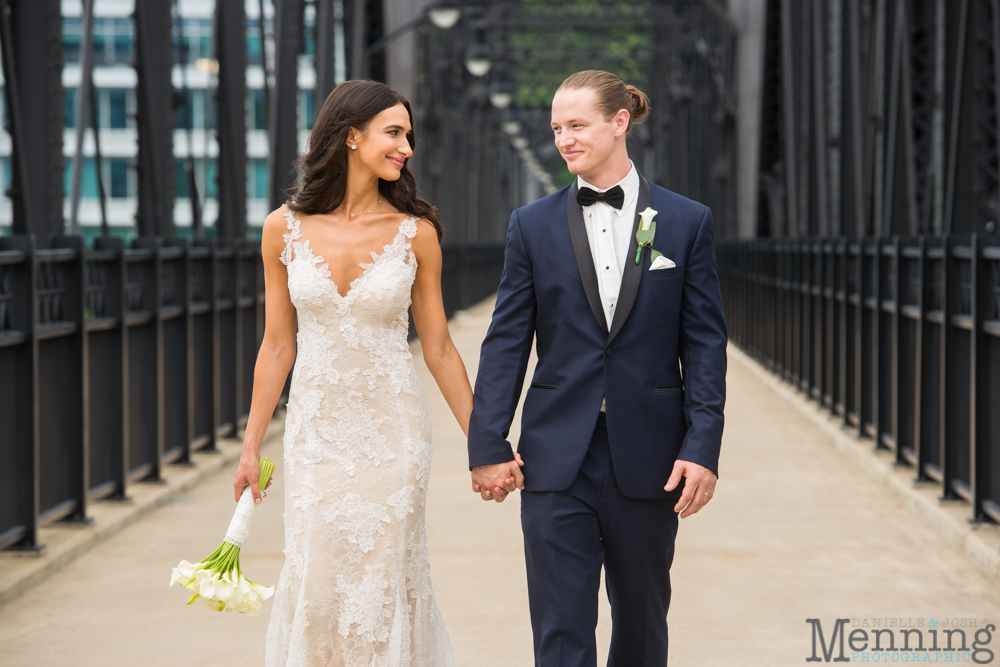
212 109
211 180
180 178
69 108
123 49
118 108
259 178
307 110
257 112
198 100
100 48
253 45
119 178
71 40
88 186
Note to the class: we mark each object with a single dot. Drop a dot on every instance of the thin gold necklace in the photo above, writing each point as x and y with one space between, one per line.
354 214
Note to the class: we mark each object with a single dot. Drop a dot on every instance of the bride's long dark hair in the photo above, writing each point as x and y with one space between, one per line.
324 167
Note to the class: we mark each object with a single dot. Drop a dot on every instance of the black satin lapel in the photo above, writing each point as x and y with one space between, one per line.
584 258
633 272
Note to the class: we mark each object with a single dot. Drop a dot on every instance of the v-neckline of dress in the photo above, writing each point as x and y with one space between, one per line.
323 266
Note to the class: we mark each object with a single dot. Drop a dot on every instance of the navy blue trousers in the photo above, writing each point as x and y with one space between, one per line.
568 537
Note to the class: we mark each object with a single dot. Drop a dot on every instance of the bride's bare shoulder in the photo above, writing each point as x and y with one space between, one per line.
427 230
275 228
425 244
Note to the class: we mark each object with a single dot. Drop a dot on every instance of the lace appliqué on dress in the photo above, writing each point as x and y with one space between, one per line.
356 588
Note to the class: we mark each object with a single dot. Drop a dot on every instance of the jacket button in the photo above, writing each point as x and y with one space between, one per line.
608 352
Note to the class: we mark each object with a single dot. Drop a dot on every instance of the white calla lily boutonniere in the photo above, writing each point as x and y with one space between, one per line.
646 234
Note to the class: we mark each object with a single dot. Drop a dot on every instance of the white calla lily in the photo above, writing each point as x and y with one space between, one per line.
646 217
218 579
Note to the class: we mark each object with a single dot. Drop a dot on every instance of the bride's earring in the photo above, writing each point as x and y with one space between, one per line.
354 147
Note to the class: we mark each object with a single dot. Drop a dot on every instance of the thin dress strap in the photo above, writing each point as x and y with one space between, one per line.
293 235
408 228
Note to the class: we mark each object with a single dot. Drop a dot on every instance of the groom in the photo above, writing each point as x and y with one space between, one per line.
623 419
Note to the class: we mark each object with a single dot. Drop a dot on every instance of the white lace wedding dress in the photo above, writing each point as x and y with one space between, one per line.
356 586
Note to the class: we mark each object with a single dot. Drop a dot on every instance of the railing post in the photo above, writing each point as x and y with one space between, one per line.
113 370
952 285
843 306
174 302
920 369
979 393
152 300
205 402
74 379
20 393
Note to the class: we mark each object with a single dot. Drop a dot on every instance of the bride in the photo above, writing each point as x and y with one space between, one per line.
343 261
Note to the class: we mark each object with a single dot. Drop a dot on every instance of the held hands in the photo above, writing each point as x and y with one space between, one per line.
699 486
249 473
495 482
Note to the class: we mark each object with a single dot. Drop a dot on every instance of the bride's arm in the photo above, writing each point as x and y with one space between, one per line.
276 355
440 355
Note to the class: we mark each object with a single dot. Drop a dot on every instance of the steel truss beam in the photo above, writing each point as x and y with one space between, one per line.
230 32
885 119
31 35
282 116
326 44
155 118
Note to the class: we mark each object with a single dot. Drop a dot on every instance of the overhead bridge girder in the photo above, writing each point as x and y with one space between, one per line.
880 117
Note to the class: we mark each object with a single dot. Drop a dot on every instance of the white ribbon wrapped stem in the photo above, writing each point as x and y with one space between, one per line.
239 527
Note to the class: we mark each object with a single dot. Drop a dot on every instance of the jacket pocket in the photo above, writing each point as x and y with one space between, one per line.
668 390
663 274
538 385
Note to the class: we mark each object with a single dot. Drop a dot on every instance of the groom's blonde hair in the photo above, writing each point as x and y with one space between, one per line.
613 95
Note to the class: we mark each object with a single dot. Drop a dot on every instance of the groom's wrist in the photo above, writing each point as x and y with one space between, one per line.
491 460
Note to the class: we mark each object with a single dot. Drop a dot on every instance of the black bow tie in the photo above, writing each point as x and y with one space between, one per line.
613 197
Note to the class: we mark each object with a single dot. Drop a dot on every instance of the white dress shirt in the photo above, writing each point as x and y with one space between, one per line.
609 231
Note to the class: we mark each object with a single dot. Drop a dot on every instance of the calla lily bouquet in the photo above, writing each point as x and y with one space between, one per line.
218 579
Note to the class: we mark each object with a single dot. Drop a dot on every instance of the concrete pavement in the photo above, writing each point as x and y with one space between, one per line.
796 530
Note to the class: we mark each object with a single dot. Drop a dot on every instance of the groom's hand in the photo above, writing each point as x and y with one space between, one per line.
699 486
496 481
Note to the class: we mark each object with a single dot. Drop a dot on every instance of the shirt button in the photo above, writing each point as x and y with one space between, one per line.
604 230
607 267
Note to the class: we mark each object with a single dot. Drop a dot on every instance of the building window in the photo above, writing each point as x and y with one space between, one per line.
196 41
307 109
212 179
254 56
197 105
114 171
72 36
257 178
119 177
122 40
112 44
258 114
69 108
118 108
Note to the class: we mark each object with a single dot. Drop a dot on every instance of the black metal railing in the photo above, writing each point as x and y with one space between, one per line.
900 337
116 361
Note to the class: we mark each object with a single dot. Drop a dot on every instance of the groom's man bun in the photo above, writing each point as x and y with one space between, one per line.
613 94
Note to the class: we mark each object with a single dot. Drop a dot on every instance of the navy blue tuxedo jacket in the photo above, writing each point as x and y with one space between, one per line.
661 367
